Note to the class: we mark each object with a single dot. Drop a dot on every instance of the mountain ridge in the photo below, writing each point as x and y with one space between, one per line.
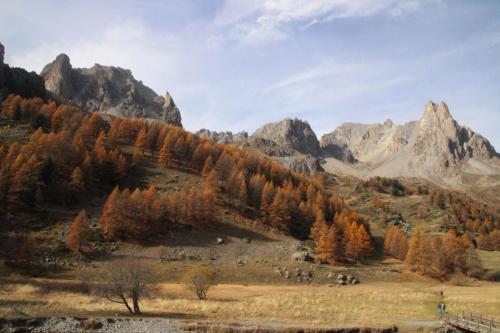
435 147
107 89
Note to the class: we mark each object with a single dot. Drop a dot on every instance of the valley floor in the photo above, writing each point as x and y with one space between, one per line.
373 304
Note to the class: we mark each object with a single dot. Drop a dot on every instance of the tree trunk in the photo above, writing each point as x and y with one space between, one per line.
126 304
136 305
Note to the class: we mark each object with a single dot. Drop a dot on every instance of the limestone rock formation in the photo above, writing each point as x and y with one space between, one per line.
291 142
223 137
292 134
443 145
107 89
435 147
359 142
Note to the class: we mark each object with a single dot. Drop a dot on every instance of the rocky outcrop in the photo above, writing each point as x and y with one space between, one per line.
291 142
352 142
19 81
290 134
107 89
223 137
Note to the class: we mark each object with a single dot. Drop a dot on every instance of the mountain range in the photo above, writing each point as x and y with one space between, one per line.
435 147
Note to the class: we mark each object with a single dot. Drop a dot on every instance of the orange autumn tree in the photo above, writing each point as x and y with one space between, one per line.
328 248
415 251
396 243
140 145
353 244
436 255
78 235
366 246
318 225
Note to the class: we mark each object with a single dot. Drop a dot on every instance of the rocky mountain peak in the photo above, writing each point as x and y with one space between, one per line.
57 76
436 113
108 89
293 134
442 144
388 123
62 60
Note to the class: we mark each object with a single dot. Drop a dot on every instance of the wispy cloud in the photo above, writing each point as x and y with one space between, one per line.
262 21
323 70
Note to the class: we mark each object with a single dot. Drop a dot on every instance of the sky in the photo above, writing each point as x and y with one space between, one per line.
238 64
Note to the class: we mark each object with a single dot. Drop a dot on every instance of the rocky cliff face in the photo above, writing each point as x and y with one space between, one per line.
435 147
443 145
290 134
19 81
291 142
107 89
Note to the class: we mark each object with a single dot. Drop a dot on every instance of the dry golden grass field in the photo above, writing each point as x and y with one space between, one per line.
374 304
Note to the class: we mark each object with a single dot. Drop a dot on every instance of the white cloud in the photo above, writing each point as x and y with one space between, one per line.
156 58
261 21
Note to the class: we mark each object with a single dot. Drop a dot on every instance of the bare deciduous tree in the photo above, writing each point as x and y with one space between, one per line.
200 279
126 282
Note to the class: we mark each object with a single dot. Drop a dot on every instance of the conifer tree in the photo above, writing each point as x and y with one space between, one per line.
208 166
353 245
76 183
78 236
99 153
365 243
266 199
318 225
415 250
328 246
112 214
140 145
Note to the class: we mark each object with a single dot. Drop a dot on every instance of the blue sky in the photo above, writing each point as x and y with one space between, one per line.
237 64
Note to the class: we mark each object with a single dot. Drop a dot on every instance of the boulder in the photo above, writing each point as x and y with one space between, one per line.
220 241
301 256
